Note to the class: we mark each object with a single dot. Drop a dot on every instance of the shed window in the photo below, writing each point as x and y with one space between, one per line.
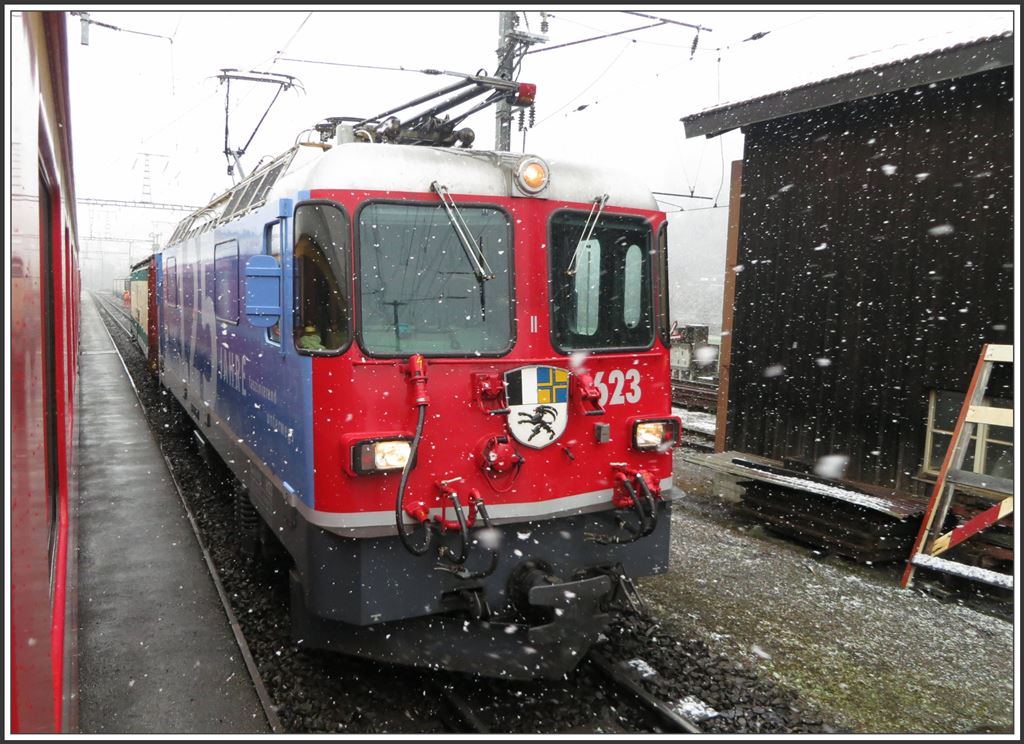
991 447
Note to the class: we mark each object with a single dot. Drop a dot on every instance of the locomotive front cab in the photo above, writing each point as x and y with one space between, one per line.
488 418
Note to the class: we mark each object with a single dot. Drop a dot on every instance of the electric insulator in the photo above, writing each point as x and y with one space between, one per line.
521 122
544 26
533 115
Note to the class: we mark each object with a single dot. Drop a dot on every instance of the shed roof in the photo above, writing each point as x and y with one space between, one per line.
934 65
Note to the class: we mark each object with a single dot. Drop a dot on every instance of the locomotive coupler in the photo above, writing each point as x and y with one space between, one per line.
554 609
625 597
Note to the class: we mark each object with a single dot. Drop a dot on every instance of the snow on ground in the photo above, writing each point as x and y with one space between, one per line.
881 659
698 421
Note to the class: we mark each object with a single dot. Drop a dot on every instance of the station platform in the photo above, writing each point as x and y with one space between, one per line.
156 651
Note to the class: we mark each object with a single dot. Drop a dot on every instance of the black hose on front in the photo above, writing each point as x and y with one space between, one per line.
464 573
463 532
649 498
634 534
399 516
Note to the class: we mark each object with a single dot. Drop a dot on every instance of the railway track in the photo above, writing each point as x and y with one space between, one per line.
113 310
627 677
320 692
699 395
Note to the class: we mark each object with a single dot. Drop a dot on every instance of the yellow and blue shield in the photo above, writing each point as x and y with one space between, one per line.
538 401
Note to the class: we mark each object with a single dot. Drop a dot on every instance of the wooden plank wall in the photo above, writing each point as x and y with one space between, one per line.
875 258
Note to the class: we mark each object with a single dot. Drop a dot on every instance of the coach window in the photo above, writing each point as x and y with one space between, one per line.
272 247
225 281
171 281
321 298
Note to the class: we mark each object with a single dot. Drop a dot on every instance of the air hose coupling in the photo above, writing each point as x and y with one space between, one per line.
416 370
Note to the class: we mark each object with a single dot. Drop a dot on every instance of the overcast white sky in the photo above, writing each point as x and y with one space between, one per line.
133 93
620 98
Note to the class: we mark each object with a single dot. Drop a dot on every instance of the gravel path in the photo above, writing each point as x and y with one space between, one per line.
844 635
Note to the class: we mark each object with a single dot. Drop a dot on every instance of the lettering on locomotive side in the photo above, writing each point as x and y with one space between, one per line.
262 390
277 425
231 369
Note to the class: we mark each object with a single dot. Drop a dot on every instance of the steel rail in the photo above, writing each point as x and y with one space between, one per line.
696 395
623 679
120 310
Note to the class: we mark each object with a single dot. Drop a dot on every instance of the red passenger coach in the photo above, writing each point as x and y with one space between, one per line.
44 288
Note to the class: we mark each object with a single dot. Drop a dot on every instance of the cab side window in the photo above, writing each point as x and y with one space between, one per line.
272 247
225 277
321 287
171 281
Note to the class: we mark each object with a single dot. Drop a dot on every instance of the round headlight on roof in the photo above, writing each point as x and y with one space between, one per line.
531 175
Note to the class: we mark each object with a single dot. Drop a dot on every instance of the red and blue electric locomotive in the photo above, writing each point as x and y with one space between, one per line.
442 377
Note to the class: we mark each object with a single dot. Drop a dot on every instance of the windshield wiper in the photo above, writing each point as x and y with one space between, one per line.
588 230
473 251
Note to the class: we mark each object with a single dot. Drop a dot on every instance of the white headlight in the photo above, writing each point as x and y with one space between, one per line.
390 455
649 435
380 456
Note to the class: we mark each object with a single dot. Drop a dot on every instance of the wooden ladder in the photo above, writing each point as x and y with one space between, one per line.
930 543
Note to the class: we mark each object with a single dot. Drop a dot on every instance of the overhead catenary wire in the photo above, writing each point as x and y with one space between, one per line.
86 19
288 43
647 42
667 20
592 84
595 38
424 71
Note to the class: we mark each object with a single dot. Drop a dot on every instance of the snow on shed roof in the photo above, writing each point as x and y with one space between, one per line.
862 76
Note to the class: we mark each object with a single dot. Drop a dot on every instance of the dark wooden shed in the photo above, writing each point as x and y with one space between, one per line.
872 255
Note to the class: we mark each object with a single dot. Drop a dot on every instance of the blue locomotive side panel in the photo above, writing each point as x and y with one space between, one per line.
248 393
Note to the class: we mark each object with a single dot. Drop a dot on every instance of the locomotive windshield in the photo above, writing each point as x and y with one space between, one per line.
419 292
603 299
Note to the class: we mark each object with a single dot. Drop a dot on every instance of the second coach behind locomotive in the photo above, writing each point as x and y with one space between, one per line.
442 378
